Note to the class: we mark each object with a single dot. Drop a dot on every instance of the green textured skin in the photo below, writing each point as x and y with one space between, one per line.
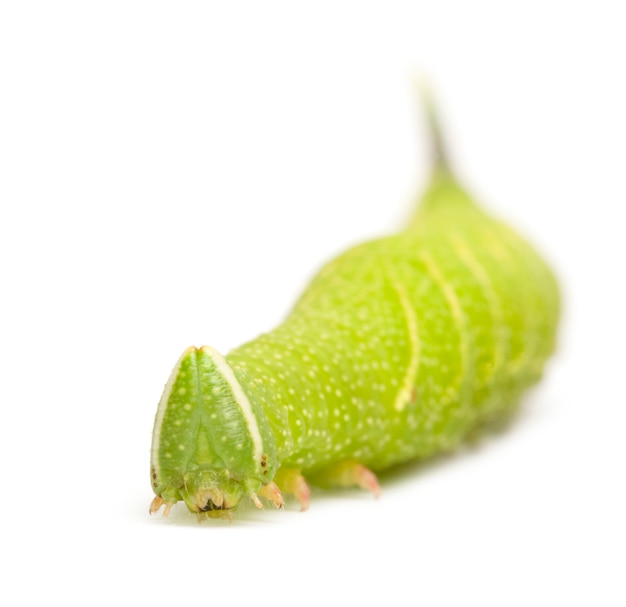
400 348
485 308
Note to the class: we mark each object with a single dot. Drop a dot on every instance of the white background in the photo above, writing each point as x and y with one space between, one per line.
174 173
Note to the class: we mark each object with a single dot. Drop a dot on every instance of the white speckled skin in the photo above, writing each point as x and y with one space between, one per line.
399 349
402 347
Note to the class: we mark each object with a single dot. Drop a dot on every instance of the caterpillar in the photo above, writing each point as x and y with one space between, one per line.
399 349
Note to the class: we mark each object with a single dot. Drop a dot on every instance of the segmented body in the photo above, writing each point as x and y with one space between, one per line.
402 346
399 349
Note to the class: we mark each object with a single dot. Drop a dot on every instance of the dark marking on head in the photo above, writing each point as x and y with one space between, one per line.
210 506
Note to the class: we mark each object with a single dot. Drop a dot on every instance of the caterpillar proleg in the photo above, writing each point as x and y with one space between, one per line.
399 349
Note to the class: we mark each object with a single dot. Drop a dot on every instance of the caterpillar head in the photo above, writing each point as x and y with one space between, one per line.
211 444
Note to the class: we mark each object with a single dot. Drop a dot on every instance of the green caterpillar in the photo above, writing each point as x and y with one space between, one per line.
399 349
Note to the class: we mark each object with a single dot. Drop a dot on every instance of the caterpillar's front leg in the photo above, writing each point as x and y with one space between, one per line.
270 492
348 473
291 481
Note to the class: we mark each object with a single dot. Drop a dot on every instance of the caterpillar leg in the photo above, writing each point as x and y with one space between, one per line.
156 504
272 493
349 473
291 481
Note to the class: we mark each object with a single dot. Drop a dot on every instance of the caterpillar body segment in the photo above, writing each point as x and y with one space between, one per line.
399 349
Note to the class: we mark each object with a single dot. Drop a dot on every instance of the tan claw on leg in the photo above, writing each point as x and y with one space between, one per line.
291 481
256 501
272 493
350 473
157 502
